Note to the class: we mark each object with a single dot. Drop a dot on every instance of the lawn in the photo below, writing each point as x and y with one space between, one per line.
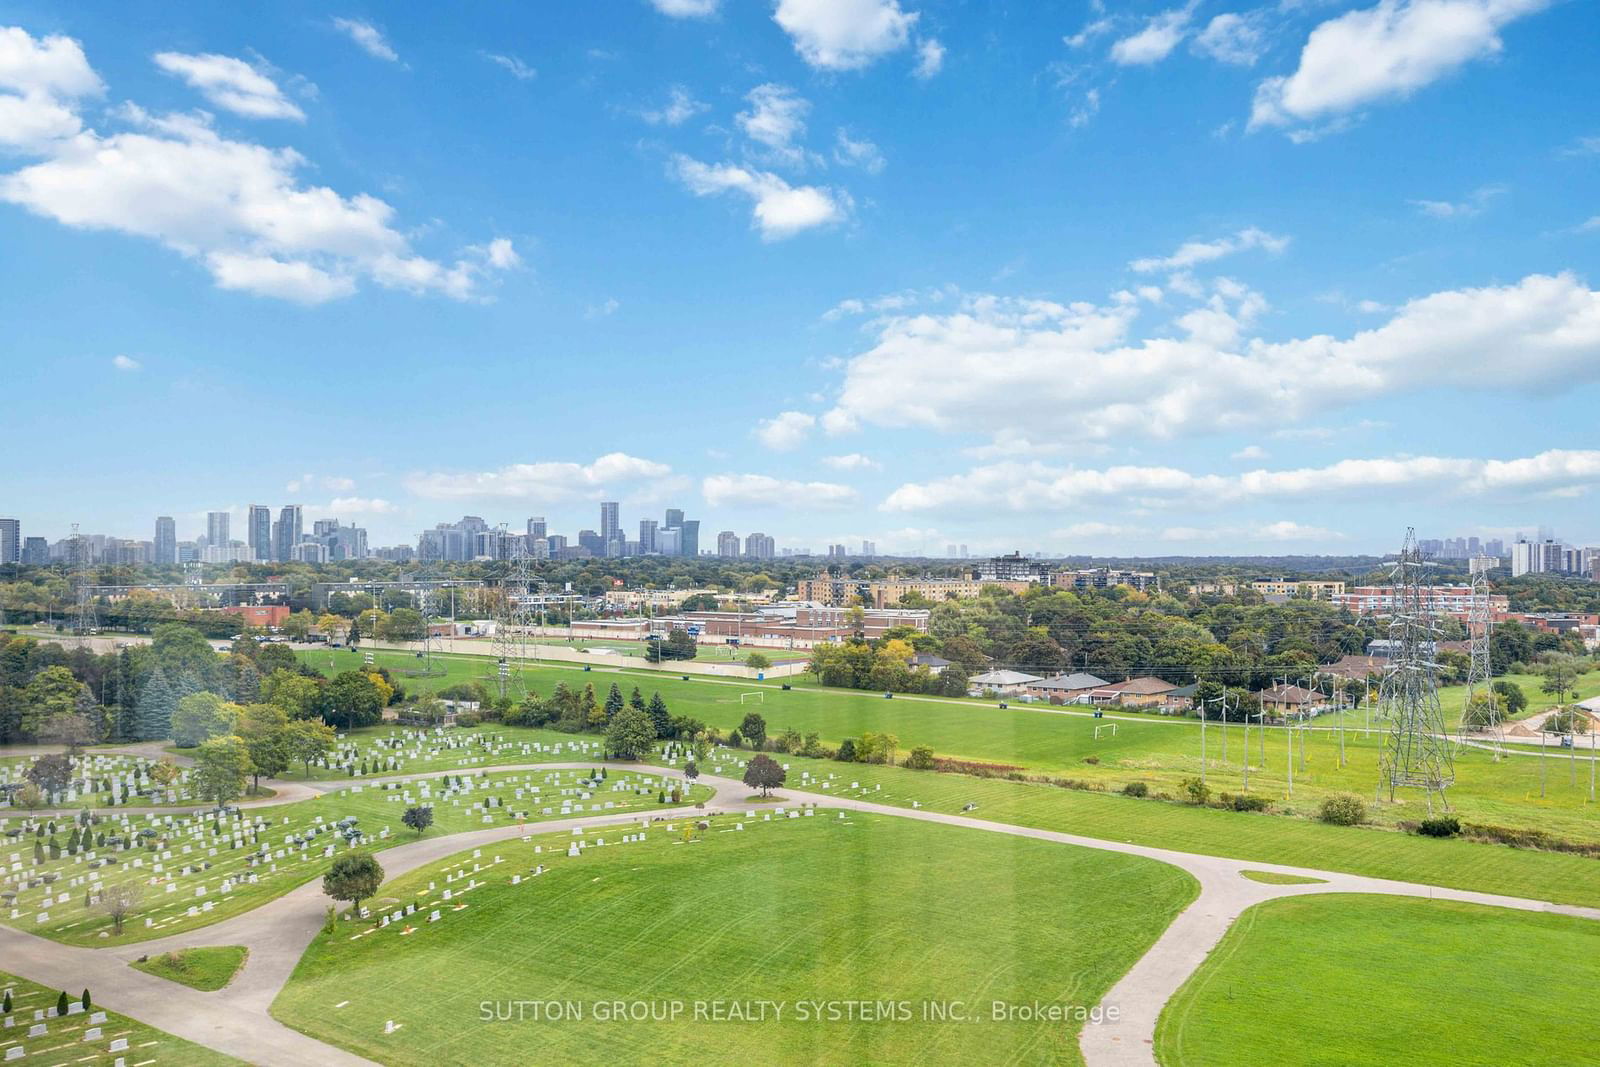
1295 841
813 915
1159 750
145 1044
298 836
1358 980
206 969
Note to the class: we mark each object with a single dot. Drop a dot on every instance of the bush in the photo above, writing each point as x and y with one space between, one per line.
1439 826
1343 809
1244 802
1195 790
920 758
1091 759
1136 789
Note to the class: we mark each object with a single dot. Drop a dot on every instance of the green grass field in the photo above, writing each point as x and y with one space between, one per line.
786 911
1301 842
206 969
145 1044
1161 751
1358 980
227 889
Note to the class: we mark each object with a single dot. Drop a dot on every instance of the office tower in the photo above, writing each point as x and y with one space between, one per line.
689 542
669 542
35 552
556 544
869 549
949 551
258 531
727 544
647 536
610 521
590 540
10 541
674 518
166 543
536 528
286 532
217 528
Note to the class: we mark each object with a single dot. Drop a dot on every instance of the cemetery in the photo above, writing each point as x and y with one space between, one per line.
34 1032
108 780
782 904
190 869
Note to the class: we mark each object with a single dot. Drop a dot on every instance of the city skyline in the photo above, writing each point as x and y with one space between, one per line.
1003 324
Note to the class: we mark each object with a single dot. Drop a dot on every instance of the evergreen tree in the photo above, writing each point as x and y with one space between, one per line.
636 701
61 1003
613 702
659 717
153 714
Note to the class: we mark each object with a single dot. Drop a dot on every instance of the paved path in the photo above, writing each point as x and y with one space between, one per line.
237 1020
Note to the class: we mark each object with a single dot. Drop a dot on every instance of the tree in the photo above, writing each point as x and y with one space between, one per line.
53 691
754 730
308 740
264 730
118 901
613 702
50 773
699 602
920 758
418 818
179 650
354 876
30 796
403 624
69 729
1559 673
680 645
158 702
354 697
331 625
298 625
847 751
757 661
691 770
219 770
1512 699
630 734
200 717
165 772
300 696
764 773
659 717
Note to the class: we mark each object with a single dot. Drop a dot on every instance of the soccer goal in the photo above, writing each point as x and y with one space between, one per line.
760 698
1105 726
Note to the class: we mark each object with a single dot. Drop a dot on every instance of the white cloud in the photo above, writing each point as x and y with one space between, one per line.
1232 38
1384 52
686 9
1583 146
368 37
786 431
41 84
518 69
1250 452
844 34
779 209
358 505
857 153
760 490
930 59
852 461
603 310
1035 487
232 84
1160 35
776 119
1474 204
1098 28
307 482
234 206
125 363
974 366
538 481
1084 111
1091 529
681 106
1193 253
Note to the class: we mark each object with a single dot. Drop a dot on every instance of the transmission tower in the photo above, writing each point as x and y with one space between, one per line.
1417 754
1480 677
87 620
510 649
431 646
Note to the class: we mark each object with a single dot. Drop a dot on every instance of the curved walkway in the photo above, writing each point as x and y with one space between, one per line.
238 1020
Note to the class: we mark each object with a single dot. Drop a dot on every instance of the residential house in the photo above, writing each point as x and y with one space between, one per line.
1133 693
1001 683
934 663
1283 700
1066 688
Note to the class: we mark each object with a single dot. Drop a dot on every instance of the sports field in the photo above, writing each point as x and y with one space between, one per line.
817 914
1362 980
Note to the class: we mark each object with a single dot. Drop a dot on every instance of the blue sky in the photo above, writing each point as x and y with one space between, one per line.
1105 278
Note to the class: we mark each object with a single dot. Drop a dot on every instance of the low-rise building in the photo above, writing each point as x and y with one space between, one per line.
1289 588
1284 700
1133 693
1384 600
1001 683
1067 688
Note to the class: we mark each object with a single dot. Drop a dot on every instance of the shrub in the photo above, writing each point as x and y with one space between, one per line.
920 758
61 1003
1136 789
1343 809
1091 759
1244 802
1439 826
1195 790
